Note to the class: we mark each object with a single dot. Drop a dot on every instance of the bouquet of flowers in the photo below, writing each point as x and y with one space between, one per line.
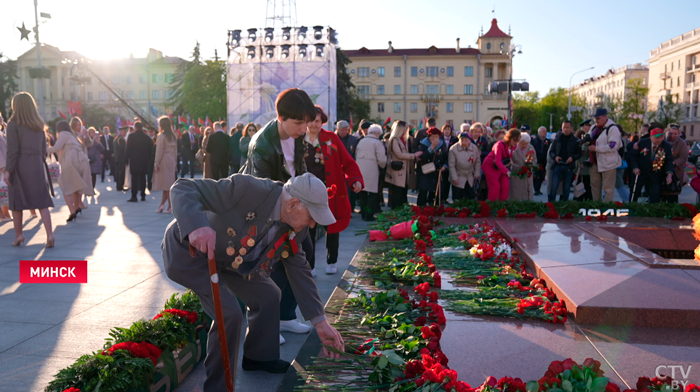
529 168
658 163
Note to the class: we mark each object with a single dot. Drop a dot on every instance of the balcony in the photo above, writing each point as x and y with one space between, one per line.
431 97
692 85
664 75
494 97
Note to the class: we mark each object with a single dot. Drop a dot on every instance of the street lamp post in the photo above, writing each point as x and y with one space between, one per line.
511 52
568 115
38 60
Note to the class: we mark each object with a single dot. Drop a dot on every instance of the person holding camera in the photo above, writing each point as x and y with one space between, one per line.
605 140
565 151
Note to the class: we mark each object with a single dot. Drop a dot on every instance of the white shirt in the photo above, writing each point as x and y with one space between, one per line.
288 150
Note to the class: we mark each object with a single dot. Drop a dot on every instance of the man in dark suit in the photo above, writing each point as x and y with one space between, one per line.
107 141
218 147
234 149
189 145
139 148
649 175
120 158
422 134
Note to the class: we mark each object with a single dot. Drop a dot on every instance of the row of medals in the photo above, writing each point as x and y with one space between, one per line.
230 250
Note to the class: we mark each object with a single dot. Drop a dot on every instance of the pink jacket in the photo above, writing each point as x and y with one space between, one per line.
498 153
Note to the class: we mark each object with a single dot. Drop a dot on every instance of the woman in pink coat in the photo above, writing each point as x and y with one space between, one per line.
497 164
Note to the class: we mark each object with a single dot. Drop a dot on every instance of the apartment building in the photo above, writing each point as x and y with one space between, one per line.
450 84
143 82
674 69
611 86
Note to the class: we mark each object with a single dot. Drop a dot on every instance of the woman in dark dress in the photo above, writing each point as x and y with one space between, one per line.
433 152
26 172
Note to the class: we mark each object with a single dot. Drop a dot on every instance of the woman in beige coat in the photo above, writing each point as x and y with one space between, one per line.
522 189
370 155
397 151
165 164
464 161
75 168
206 164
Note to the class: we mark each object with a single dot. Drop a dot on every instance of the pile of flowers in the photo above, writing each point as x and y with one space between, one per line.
129 357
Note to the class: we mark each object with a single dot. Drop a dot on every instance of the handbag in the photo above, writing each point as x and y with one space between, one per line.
428 168
505 161
395 165
199 155
623 165
674 188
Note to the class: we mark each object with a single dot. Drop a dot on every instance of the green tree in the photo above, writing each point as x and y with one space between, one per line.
204 90
97 116
8 84
634 106
179 80
529 108
668 111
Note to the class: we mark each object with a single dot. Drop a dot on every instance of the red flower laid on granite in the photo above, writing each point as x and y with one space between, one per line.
71 389
137 350
509 384
568 215
422 289
191 317
484 210
691 208
437 280
502 213
692 388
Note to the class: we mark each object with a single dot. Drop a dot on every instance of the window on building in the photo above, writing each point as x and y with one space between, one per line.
142 79
363 90
142 94
432 71
103 95
115 79
130 94
414 89
450 71
169 78
449 89
489 72
449 107
129 80
54 112
397 89
414 71
380 71
692 130
671 83
678 81
488 46
468 71
671 67
397 72
468 107
89 96
397 107
432 89
468 89
168 94
486 90
414 107
380 107
154 78
156 94
380 90
363 72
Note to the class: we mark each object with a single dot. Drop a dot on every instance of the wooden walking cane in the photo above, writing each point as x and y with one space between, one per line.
214 278
437 190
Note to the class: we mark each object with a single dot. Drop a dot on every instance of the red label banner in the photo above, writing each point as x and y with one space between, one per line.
53 271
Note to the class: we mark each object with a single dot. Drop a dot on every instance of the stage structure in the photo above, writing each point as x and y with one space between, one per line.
264 62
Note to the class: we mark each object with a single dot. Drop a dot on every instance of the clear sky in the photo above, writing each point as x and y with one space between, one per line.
558 38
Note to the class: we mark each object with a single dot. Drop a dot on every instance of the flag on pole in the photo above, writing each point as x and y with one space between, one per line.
200 121
181 120
386 122
62 115
188 120
119 122
207 123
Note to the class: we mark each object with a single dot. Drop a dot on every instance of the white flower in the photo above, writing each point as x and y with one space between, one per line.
504 248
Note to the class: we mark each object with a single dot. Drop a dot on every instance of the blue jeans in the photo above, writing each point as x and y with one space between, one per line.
561 173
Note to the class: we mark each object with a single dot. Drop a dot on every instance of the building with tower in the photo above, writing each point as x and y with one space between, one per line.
450 84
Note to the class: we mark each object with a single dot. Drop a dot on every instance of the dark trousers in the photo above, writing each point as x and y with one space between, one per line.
149 176
288 302
445 187
234 168
652 183
671 198
398 196
138 184
219 170
332 244
94 180
561 173
538 179
187 165
466 193
369 202
121 174
425 198
108 161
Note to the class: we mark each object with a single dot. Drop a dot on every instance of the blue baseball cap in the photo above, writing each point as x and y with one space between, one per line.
601 112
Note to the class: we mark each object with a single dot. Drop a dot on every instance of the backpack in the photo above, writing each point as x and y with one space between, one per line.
621 150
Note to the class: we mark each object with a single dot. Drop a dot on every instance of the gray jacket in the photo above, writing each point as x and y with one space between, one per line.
240 208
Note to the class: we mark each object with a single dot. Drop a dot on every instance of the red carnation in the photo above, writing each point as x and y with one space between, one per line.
422 289
420 321
191 317
71 389
612 387
692 388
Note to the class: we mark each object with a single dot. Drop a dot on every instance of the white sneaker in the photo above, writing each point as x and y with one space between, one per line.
294 326
313 270
282 340
331 269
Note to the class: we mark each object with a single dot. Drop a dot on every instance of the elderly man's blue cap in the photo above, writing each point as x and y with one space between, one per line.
525 127
601 112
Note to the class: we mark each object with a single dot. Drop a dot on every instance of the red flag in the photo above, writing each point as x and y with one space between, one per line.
75 108
351 127
386 122
207 123
181 120
200 121
62 115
